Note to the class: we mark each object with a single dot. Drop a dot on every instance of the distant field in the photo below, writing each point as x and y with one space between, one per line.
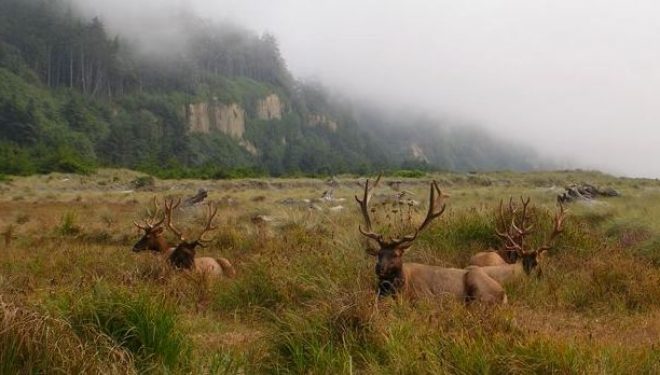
74 298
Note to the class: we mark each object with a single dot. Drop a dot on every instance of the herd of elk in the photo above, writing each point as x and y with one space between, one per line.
421 280
481 281
181 256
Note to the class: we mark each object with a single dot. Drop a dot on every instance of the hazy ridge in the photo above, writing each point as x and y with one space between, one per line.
208 100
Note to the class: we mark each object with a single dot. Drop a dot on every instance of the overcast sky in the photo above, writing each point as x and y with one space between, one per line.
576 79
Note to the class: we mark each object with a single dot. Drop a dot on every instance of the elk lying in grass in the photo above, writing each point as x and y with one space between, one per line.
153 239
514 235
500 256
183 255
420 280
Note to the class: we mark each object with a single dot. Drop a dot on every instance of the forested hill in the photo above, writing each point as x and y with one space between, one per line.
220 103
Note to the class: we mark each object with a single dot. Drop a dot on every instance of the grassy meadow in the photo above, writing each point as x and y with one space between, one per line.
74 298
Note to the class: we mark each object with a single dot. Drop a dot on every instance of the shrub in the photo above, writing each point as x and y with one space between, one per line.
408 173
144 182
68 225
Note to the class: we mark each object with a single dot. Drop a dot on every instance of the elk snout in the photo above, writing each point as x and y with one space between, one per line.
139 246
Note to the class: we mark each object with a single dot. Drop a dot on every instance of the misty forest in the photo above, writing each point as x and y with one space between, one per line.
177 199
74 98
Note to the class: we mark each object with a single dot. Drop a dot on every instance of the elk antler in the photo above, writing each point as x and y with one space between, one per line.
169 206
432 213
505 234
522 230
514 234
364 208
557 230
211 211
149 223
364 203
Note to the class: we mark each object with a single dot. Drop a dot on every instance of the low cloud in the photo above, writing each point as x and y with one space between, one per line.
577 80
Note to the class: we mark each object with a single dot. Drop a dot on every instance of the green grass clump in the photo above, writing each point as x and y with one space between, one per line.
254 289
33 343
144 326
69 224
649 250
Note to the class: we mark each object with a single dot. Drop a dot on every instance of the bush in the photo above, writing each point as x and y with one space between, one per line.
144 182
408 173
68 225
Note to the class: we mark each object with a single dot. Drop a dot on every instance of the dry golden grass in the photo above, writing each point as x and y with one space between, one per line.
76 299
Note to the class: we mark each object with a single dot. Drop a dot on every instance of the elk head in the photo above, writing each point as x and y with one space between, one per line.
152 239
514 232
390 251
183 255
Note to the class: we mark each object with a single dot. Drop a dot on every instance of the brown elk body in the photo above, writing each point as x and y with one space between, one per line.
487 258
182 255
513 235
415 280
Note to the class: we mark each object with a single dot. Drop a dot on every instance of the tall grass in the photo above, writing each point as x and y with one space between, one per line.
142 325
34 342
303 300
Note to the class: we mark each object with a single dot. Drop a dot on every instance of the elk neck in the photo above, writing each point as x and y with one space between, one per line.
161 245
392 284
183 256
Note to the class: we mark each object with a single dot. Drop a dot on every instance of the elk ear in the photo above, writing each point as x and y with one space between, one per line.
541 254
401 249
371 251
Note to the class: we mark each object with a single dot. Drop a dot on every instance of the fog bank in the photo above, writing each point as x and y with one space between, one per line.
577 80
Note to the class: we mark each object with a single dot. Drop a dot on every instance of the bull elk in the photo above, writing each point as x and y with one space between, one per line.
421 280
183 255
179 256
513 236
152 238
505 255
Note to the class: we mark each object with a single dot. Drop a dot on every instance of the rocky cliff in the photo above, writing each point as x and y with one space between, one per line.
270 108
417 153
213 115
321 120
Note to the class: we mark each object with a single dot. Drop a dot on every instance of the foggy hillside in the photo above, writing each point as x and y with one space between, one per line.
188 96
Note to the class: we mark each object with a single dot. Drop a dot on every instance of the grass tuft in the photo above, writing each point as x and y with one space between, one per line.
144 326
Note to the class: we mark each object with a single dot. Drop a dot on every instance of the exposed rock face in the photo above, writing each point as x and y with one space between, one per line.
321 120
198 117
204 117
417 153
270 108
249 147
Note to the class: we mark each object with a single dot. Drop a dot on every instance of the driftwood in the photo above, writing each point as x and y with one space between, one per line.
585 192
196 199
